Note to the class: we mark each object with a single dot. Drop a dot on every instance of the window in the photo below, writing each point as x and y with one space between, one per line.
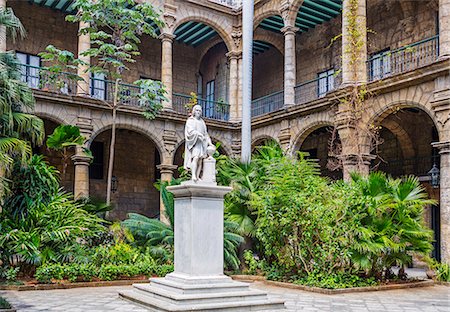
96 167
380 65
326 82
30 69
209 105
98 86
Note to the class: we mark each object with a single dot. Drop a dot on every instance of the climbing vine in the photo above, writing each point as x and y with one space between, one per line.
351 106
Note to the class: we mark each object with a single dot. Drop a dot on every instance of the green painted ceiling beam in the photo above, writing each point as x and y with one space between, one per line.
320 7
190 31
310 18
332 4
204 37
274 22
197 34
304 22
271 28
317 14
182 28
206 30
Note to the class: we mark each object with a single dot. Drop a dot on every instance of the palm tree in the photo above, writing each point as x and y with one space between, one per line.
16 127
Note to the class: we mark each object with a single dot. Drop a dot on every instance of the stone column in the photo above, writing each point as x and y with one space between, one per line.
2 30
81 163
167 68
289 65
84 43
166 176
444 202
239 90
354 42
233 59
444 29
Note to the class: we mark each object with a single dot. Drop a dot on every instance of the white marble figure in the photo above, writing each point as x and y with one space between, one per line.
198 144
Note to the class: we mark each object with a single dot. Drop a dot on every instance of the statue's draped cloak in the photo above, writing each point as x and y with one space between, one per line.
194 145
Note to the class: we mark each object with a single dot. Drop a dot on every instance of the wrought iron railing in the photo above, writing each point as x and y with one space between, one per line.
317 88
40 78
182 104
268 103
404 59
66 83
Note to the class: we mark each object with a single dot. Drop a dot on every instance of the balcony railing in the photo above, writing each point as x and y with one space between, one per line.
317 88
39 78
419 166
404 59
211 109
268 103
104 90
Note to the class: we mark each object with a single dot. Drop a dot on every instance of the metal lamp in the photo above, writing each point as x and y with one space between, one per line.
435 176
114 184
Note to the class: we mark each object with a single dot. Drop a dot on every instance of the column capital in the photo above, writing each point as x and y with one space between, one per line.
234 55
167 168
443 147
166 37
289 30
81 159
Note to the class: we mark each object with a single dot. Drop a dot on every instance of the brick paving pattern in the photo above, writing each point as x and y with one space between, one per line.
102 299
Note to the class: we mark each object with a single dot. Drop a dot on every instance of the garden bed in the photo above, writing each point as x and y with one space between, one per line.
33 285
391 286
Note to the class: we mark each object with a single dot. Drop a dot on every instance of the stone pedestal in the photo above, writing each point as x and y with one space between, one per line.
198 282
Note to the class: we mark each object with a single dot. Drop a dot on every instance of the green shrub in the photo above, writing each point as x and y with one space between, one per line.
4 304
335 280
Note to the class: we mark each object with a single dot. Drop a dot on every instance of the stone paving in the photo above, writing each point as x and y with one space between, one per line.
102 299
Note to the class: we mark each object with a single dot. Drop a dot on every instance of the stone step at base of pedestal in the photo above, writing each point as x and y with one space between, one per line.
207 297
158 298
187 288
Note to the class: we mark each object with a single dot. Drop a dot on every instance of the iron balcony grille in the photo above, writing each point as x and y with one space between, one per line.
268 103
211 109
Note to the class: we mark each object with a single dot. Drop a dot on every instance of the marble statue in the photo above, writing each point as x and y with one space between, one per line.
198 146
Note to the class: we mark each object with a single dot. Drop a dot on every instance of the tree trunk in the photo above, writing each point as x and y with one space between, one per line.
112 144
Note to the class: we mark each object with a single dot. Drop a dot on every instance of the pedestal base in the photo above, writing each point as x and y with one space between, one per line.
177 292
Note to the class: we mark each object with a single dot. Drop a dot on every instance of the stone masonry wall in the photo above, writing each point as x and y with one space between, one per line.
267 73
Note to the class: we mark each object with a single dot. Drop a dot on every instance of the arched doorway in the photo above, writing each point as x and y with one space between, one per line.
135 160
317 146
405 148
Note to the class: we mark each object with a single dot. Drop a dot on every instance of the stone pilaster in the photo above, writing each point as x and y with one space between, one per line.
355 163
289 65
444 202
167 67
233 59
2 30
444 29
354 42
84 43
81 163
285 136
166 171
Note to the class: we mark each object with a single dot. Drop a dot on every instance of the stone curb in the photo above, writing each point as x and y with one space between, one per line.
8 310
443 283
250 278
70 285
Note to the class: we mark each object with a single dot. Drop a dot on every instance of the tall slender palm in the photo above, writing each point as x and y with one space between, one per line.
17 128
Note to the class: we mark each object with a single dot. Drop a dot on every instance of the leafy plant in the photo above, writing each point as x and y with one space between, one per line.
4 304
63 138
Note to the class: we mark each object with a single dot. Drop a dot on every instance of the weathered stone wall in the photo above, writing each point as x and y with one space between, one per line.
267 72
214 66
44 27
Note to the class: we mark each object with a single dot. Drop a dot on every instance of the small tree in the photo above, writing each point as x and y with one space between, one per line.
115 28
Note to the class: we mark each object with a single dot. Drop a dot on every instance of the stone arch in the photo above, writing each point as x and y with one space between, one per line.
55 119
145 132
224 33
268 9
261 138
403 137
271 38
225 148
54 113
377 117
306 131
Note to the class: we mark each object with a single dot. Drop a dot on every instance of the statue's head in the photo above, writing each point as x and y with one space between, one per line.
197 111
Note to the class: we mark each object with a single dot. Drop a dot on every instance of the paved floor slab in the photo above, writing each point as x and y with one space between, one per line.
105 299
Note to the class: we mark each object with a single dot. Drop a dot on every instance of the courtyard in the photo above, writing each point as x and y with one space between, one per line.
103 299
